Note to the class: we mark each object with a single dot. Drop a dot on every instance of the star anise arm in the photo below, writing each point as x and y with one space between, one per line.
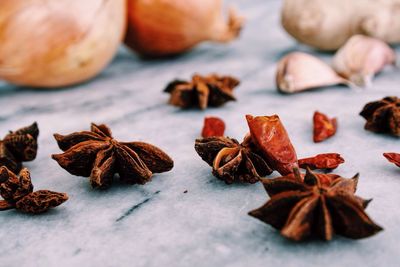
349 218
258 164
324 225
276 211
32 130
209 147
22 146
226 164
370 108
300 221
40 201
65 142
203 94
101 129
103 169
378 121
9 184
283 184
4 205
130 167
394 121
25 184
7 159
79 159
153 157
172 85
183 95
345 185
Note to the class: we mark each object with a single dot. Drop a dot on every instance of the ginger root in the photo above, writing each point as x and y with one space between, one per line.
327 25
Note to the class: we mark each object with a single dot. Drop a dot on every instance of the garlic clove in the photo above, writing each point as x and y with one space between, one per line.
158 28
58 43
299 71
361 58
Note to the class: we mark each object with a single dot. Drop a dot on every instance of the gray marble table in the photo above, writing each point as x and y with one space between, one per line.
160 225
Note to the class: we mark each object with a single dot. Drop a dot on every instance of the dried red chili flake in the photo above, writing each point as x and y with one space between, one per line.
270 137
213 127
324 127
393 158
327 161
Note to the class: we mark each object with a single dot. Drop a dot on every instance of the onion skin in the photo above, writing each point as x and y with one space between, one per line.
50 44
158 28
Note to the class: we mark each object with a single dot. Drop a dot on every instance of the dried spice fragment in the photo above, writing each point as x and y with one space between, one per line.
328 161
324 127
17 192
270 137
393 158
302 206
383 116
213 126
232 161
19 146
97 155
202 91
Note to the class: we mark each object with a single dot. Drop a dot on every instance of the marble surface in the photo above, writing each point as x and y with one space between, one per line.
160 225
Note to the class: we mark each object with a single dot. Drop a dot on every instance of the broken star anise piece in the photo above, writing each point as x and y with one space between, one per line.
17 193
304 206
232 161
383 116
96 154
202 91
393 158
19 146
327 161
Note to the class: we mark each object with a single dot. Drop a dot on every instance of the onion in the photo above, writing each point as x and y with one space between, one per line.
169 27
52 43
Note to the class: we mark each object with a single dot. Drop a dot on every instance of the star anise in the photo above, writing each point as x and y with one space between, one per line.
232 161
315 204
19 146
202 91
17 193
383 116
96 154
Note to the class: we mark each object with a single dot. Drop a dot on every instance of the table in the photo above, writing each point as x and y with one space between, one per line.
160 225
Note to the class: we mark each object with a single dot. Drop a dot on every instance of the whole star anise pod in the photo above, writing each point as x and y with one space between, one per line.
96 154
202 91
17 193
383 116
315 204
19 146
232 161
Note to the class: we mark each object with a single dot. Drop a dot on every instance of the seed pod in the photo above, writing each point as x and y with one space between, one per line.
40 201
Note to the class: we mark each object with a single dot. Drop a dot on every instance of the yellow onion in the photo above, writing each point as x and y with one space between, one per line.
169 27
52 43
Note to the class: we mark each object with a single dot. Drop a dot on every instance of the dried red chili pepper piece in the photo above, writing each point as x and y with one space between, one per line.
213 126
327 161
393 158
270 137
324 127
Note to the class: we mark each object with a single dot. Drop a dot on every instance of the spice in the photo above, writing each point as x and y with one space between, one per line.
324 127
302 206
393 158
202 91
271 138
17 193
213 126
383 116
19 146
232 161
96 154
328 161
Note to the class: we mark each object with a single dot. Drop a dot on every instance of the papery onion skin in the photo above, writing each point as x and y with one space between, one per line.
158 28
50 44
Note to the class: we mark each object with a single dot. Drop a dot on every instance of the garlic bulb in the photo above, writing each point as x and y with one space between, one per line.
169 27
47 43
361 58
299 71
